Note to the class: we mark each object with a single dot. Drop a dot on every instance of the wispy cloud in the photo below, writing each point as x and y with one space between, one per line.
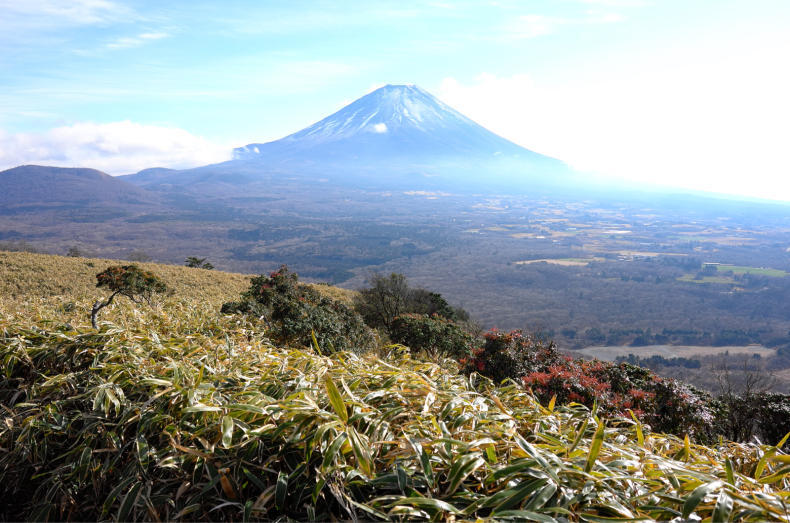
127 42
55 13
618 3
536 25
116 148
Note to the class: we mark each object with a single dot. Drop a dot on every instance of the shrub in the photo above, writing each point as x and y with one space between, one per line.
433 334
510 355
667 405
296 312
198 263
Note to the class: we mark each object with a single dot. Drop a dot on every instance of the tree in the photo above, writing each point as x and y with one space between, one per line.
75 252
384 300
390 296
198 263
126 280
741 394
138 255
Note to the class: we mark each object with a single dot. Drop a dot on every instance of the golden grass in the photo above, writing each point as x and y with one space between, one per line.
62 279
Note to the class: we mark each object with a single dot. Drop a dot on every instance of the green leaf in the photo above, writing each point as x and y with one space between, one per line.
361 452
729 471
335 399
491 454
698 495
141 446
579 436
461 468
640 436
543 496
333 450
201 408
281 491
513 497
525 515
425 461
758 471
604 519
779 475
227 431
128 502
595 446
428 503
723 508
156 381
113 495
315 342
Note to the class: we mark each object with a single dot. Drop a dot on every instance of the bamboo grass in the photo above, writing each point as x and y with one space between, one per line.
178 412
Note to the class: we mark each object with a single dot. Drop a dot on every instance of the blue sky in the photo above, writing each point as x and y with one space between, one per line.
690 93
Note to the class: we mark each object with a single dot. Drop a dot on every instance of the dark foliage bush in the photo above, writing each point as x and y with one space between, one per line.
296 312
667 405
510 355
433 334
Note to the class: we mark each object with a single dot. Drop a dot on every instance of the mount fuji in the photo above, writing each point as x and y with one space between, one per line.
394 137
392 121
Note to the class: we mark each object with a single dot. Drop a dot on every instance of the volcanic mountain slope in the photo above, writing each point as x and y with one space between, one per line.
394 137
43 186
393 121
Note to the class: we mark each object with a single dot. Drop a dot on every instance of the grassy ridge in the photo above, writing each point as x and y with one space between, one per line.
178 412
27 275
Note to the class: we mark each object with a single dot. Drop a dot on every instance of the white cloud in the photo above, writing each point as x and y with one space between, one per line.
535 25
116 148
718 126
618 3
136 41
56 13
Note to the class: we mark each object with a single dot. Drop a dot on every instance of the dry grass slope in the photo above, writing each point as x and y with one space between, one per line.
65 279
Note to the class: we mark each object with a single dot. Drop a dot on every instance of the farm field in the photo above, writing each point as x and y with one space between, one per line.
762 271
611 353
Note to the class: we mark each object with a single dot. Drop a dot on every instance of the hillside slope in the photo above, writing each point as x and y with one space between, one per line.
44 276
43 186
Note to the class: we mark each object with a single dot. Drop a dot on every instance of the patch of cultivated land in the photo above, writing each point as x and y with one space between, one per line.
565 262
763 271
612 352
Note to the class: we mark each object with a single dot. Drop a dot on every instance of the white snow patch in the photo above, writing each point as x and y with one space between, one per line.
380 128
368 119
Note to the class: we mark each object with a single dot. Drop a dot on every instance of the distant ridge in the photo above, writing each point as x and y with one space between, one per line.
43 185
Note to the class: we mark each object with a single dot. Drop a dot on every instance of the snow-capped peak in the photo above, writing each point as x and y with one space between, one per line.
403 120
387 109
